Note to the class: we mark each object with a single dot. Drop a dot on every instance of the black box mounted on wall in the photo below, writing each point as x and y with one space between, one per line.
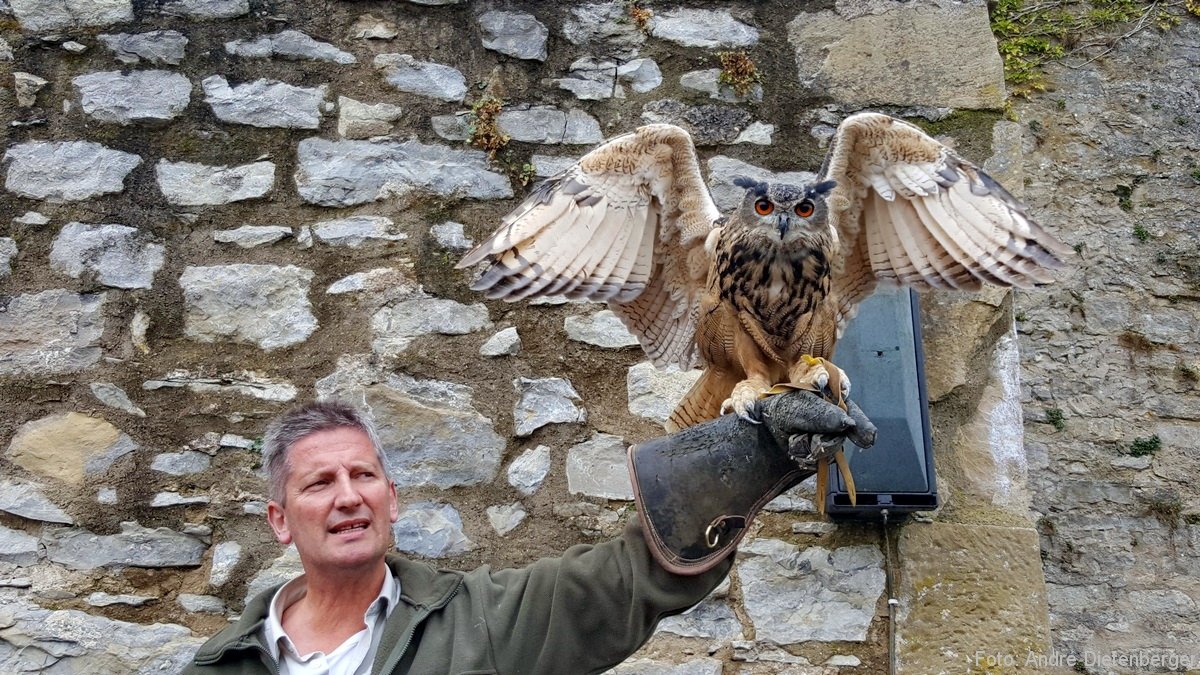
881 353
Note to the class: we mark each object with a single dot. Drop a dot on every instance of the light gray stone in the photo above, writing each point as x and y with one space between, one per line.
31 218
592 79
758 133
115 397
603 329
356 231
549 125
596 468
705 28
544 401
450 235
712 619
814 527
504 343
137 96
384 284
41 16
156 46
431 530
245 383
708 124
394 328
265 103
423 78
6 52
515 34
700 666
72 642
796 500
359 120
51 332
102 599
17 548
604 25
642 75
1128 462
707 82
284 568
289 44
119 256
203 604
263 305
206 9
236 441
431 433
250 236
180 463
452 127
106 496
168 498
346 173
529 469
255 507
134 546
66 171
795 595
26 87
906 64
843 661
722 170
8 251
190 184
654 392
226 555
549 165
74 47
506 518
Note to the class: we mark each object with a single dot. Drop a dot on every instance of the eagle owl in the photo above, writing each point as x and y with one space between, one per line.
756 294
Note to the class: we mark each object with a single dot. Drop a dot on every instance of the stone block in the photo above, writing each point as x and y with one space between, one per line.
68 446
888 52
263 305
66 171
51 332
983 581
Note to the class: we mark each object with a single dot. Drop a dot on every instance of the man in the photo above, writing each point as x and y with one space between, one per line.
358 610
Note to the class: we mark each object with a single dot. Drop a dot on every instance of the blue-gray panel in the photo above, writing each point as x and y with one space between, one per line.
879 352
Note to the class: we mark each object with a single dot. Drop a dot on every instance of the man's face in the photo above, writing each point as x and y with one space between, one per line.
338 506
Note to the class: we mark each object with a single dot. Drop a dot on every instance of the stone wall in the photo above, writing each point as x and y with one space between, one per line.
214 208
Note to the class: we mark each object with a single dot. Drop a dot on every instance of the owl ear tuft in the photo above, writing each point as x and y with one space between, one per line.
750 184
823 188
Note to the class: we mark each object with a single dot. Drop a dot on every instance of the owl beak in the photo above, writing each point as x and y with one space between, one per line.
783 223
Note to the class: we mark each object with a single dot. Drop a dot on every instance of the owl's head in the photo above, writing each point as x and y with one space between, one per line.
791 211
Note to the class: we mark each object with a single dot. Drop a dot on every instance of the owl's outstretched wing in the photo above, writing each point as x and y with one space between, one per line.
625 225
910 211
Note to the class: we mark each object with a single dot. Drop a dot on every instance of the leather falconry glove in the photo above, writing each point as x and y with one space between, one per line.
697 490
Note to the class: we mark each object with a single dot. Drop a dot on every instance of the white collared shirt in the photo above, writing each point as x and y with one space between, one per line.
352 657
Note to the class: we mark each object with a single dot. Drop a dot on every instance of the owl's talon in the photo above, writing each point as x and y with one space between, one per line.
743 401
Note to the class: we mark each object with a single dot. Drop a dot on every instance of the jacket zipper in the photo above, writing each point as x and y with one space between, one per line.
392 662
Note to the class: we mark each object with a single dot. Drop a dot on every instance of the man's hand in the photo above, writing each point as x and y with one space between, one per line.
811 428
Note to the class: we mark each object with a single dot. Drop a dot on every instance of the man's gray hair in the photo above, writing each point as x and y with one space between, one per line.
294 425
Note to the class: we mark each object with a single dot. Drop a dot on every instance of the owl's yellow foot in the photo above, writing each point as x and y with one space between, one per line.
743 400
815 373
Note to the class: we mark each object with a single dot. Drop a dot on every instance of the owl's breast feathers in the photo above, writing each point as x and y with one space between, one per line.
778 285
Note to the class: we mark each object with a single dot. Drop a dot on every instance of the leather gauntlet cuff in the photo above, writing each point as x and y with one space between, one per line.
697 490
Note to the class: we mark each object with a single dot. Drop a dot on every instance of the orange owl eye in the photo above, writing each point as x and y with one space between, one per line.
804 209
763 207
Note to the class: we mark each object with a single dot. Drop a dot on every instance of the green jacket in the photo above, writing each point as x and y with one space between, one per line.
582 613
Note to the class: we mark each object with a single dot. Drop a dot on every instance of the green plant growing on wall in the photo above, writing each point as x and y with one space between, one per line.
738 71
1055 418
1141 233
1143 446
484 131
1032 33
